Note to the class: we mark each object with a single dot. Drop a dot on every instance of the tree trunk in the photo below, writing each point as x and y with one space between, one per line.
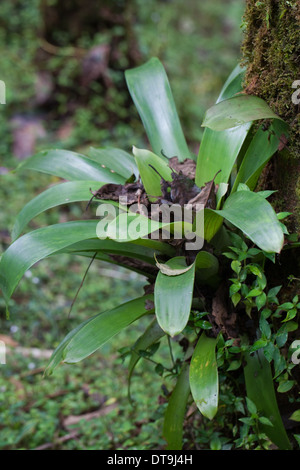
271 52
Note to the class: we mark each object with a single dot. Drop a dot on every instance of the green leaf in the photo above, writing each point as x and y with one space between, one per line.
130 250
251 406
290 315
233 84
272 294
234 365
37 245
151 335
142 269
220 149
212 224
260 389
151 179
94 332
70 166
174 415
105 250
265 421
254 216
204 324
236 266
260 343
243 187
256 270
285 386
169 270
115 159
222 190
237 111
207 265
144 251
254 293
295 416
150 90
215 443
264 327
204 380
63 193
130 226
263 145
156 245
173 297
286 306
236 298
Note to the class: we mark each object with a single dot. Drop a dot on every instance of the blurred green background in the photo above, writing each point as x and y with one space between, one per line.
63 65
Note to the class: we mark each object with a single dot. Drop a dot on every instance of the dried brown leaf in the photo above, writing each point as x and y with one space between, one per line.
187 167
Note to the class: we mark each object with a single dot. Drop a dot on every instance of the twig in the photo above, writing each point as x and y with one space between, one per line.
81 284
48 445
61 51
171 352
71 420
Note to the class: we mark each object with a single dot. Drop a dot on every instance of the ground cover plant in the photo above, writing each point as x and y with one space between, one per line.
236 328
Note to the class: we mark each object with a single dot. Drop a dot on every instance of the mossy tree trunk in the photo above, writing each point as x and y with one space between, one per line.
271 52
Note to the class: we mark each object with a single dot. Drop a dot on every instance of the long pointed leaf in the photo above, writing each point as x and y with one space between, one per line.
96 331
161 247
207 265
70 166
115 159
212 224
138 268
233 84
136 249
174 416
260 389
219 150
263 145
173 297
151 335
150 90
130 226
151 179
37 245
237 111
204 380
252 214
59 194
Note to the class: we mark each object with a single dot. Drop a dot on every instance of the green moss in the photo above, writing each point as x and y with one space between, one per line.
271 52
283 175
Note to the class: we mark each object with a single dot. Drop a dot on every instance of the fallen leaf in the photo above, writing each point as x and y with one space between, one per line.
134 193
71 420
206 196
187 167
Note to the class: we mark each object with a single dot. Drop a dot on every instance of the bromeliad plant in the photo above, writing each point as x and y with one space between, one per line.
185 291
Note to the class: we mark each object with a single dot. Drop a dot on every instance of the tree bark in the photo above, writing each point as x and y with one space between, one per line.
271 52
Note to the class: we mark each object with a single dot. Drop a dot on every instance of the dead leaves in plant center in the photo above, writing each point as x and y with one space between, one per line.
181 190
